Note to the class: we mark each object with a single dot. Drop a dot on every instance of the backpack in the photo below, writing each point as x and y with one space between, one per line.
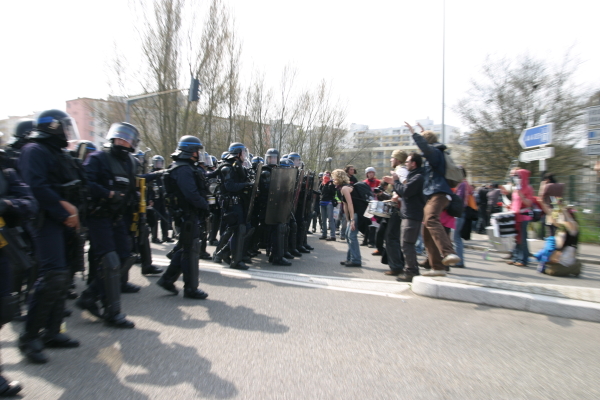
454 175
363 191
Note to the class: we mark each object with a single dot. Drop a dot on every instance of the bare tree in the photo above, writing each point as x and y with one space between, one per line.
513 96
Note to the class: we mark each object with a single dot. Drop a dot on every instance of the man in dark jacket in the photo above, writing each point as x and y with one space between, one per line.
436 189
413 202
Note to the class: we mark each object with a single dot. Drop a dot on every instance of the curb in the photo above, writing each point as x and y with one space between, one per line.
541 304
483 248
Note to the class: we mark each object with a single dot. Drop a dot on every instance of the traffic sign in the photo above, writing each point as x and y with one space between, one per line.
593 116
540 135
592 149
537 154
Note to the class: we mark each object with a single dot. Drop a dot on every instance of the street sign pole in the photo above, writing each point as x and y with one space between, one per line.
537 136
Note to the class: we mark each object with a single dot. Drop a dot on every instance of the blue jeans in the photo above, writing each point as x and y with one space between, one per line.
353 254
458 242
327 218
521 250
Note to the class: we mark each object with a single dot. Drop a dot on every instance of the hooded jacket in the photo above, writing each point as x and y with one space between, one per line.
413 200
435 166
517 205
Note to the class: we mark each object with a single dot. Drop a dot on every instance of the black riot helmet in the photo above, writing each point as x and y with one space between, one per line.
272 157
158 162
126 132
237 148
83 148
297 160
22 130
255 161
55 124
187 146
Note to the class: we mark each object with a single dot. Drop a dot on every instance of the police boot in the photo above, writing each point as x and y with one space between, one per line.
292 241
47 291
52 336
168 279
126 286
204 255
111 265
88 301
223 255
151 270
155 234
9 389
237 252
279 246
190 276
306 245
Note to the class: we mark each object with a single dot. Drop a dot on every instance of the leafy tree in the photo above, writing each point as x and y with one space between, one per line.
513 95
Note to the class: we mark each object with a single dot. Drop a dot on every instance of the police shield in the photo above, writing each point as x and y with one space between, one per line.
281 195
254 190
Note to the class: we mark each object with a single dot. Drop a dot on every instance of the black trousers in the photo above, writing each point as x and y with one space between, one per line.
395 258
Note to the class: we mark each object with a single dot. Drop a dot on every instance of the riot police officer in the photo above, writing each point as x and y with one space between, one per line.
16 205
275 233
19 139
111 177
157 213
235 200
186 194
51 173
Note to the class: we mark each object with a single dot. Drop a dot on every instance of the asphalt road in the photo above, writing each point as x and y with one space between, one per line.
263 340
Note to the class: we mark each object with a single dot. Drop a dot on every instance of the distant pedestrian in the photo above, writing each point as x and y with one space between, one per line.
521 203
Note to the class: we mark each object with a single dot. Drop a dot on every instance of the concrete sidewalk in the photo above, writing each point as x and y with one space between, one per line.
489 280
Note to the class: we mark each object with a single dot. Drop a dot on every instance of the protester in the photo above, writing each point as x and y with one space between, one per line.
393 250
351 171
436 189
521 202
354 207
482 208
328 203
549 189
372 180
462 191
413 202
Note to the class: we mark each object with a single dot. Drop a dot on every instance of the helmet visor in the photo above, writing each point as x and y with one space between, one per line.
201 156
70 128
127 133
271 160
297 162
208 161
159 163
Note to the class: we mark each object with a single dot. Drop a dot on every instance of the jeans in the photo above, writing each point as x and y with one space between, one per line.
458 242
521 250
353 254
345 225
327 218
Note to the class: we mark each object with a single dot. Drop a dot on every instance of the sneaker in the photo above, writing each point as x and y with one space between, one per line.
451 259
323 237
434 272
331 239
376 253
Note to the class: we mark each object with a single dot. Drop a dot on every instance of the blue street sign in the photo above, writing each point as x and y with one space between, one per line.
540 135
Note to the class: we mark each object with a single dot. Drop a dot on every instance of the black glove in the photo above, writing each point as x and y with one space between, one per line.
117 197
249 184
3 206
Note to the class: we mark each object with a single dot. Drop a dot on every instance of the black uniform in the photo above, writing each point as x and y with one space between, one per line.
235 197
23 206
110 170
186 193
51 174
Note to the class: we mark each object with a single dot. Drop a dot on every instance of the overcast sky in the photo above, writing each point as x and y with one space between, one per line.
383 57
